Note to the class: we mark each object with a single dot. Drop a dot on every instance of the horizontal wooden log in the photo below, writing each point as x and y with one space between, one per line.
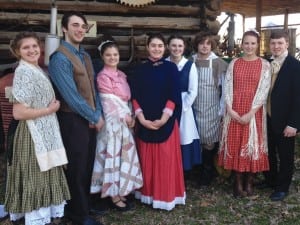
108 21
101 7
91 44
6 36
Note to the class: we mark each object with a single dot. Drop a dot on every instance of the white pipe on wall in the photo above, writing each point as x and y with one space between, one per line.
52 40
53 20
51 44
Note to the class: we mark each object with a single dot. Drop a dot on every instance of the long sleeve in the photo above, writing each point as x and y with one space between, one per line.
294 118
154 84
189 97
61 73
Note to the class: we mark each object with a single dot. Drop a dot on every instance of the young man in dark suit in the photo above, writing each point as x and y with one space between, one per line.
283 115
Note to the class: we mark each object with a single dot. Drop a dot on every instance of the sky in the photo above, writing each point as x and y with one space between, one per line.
265 21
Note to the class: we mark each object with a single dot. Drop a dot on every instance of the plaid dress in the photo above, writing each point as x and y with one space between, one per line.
246 77
27 187
31 192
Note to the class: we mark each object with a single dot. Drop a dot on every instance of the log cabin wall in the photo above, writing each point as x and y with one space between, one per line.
128 25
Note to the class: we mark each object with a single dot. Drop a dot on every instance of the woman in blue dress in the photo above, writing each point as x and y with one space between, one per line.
189 137
157 105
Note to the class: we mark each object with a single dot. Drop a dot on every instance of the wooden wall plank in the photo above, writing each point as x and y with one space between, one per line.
108 21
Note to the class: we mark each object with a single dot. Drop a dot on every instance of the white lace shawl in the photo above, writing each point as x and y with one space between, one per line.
253 147
32 88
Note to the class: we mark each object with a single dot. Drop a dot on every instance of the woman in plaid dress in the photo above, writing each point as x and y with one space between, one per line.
36 186
243 147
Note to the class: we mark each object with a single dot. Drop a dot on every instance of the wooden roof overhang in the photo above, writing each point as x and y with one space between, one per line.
259 8
248 8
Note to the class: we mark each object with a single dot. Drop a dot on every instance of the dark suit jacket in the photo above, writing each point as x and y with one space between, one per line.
285 96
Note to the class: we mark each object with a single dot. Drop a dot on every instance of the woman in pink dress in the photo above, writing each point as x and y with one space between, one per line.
243 147
116 168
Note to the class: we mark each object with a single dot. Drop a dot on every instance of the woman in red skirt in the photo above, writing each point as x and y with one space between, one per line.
157 104
243 146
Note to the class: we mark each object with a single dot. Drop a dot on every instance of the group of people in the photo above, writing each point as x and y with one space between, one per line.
262 116
81 136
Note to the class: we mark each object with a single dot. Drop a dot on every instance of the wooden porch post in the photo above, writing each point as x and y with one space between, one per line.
258 19
286 20
244 23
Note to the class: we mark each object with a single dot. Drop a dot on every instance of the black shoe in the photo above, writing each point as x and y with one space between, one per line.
99 206
91 221
278 195
129 203
120 208
187 175
98 212
206 177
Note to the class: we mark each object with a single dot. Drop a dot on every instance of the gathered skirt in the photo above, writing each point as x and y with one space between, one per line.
162 172
27 188
117 169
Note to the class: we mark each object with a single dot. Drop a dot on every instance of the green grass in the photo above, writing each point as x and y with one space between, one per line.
214 205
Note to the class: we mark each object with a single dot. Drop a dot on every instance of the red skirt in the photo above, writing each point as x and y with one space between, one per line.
162 170
237 139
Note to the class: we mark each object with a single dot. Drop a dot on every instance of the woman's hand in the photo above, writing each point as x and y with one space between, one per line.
53 106
245 119
162 121
23 112
149 124
233 114
130 121
146 123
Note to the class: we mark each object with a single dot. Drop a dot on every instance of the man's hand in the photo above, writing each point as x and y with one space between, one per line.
289 131
99 124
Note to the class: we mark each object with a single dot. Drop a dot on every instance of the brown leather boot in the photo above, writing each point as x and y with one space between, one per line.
238 185
249 184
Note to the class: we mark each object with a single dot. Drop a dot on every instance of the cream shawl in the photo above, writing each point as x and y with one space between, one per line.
116 167
260 98
32 88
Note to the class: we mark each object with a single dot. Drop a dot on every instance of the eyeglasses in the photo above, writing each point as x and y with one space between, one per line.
83 26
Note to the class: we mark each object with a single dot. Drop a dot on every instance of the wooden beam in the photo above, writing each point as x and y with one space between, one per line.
258 15
101 7
244 23
108 21
258 19
90 44
269 7
286 19
5 36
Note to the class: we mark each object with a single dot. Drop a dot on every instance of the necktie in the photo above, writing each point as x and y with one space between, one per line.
275 67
